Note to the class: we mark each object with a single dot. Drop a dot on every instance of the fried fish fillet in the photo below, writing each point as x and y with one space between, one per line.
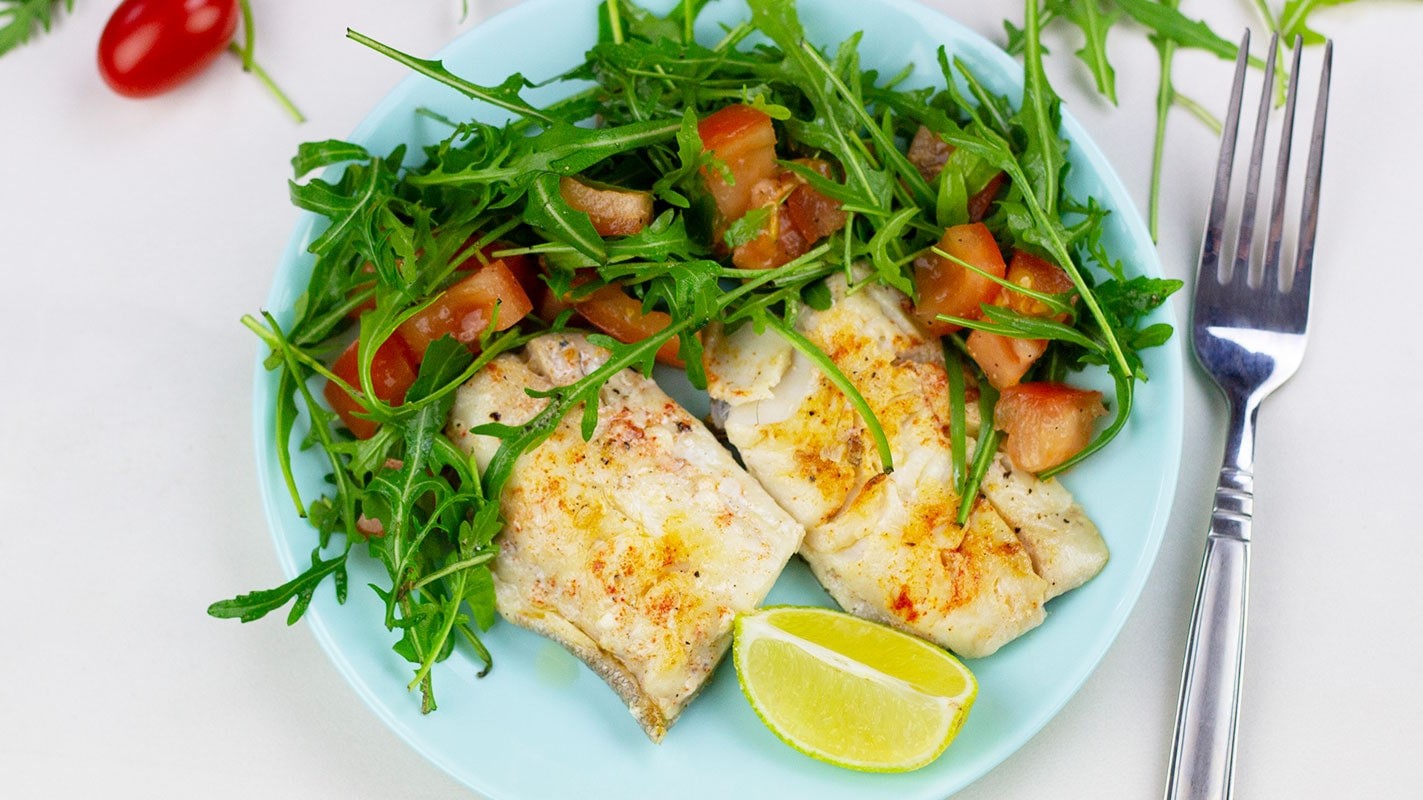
636 549
887 546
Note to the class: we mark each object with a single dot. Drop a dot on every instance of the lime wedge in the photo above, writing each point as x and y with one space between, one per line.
851 692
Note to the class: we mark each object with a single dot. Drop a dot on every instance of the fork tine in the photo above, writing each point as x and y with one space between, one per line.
1240 272
1309 218
1220 195
1270 272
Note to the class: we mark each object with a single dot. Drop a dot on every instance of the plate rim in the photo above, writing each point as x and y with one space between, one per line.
275 499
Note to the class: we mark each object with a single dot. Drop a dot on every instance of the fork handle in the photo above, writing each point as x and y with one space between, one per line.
1203 748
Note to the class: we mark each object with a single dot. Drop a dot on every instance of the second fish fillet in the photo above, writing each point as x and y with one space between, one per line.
887 546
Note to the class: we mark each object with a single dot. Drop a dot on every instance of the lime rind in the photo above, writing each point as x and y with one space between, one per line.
848 735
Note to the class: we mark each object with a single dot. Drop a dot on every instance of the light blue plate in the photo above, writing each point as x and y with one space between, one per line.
540 725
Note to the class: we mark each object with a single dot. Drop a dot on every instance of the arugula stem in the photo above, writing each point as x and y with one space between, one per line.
615 20
479 650
1165 95
1266 15
1035 96
1053 302
266 81
473 561
884 145
958 417
1125 389
1089 298
323 433
1198 111
983 452
249 35
435 70
450 615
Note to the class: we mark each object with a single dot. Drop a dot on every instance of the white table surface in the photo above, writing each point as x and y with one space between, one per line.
134 234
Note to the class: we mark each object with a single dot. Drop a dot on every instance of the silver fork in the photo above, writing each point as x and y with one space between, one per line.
1249 336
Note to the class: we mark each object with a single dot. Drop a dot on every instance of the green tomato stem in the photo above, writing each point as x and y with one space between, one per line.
266 80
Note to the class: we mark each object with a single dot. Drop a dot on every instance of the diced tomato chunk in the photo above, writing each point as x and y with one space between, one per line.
1046 423
620 315
780 243
369 303
465 309
1030 272
814 215
802 216
614 212
392 372
524 267
1004 359
743 139
550 305
949 288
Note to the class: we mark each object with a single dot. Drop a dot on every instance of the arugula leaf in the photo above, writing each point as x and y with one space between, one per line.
1094 23
691 160
21 18
831 128
1044 159
1168 23
747 229
1294 19
505 95
549 213
311 156
255 605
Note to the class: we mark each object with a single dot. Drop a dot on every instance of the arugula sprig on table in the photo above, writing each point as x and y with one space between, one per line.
1169 29
22 19
398 222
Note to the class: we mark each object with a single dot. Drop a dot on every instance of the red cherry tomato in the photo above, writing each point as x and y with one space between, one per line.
152 46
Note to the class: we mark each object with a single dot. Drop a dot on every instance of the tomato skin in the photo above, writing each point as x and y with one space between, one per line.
392 372
620 315
801 216
779 243
151 46
1044 277
814 215
948 288
523 267
465 309
1046 423
745 141
1003 359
